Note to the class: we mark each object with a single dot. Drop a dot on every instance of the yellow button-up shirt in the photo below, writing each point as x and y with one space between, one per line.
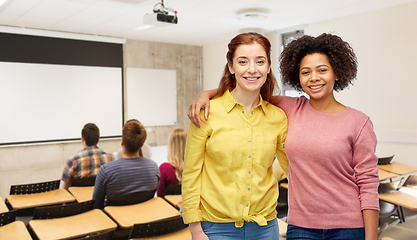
228 173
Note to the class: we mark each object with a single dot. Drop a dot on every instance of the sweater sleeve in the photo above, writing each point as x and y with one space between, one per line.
162 182
365 166
99 193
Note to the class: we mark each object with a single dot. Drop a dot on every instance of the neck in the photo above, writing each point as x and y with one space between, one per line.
247 99
126 154
330 105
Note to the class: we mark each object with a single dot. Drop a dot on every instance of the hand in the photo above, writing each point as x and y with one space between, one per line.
201 102
197 232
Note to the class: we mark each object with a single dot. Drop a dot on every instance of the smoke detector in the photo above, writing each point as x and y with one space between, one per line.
252 14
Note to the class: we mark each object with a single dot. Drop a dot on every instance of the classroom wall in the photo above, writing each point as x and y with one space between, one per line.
386 46
33 163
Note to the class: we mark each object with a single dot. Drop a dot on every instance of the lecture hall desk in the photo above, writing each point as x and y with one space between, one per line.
82 194
175 200
405 197
93 221
3 207
398 168
151 210
53 197
14 231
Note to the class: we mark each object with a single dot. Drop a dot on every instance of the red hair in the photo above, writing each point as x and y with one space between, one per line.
228 81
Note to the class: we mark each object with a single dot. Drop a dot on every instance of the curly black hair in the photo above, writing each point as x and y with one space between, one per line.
339 53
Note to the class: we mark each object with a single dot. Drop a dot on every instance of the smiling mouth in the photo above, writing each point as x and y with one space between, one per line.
316 87
251 78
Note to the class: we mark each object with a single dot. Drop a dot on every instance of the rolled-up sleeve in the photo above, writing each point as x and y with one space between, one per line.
193 164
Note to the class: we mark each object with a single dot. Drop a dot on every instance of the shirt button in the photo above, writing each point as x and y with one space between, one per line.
249 156
243 111
249 140
248 188
249 172
251 112
247 204
248 125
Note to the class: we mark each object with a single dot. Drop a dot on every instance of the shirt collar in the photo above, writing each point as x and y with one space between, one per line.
229 102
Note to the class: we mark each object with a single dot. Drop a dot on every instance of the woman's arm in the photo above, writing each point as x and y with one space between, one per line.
197 231
370 218
202 101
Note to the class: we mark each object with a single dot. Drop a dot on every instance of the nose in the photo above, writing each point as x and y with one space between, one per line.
252 68
314 77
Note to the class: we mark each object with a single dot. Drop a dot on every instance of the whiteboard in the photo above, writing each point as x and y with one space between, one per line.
151 96
45 102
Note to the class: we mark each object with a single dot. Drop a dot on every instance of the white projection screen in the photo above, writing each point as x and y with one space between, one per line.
53 102
51 87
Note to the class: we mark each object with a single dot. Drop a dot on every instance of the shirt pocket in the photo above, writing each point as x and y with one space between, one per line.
227 149
265 149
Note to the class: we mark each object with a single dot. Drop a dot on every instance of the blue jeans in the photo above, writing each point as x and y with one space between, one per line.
298 233
250 230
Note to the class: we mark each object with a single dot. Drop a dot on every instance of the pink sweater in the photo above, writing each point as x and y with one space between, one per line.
331 162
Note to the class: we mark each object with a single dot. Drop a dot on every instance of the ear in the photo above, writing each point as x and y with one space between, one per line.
269 69
82 139
231 69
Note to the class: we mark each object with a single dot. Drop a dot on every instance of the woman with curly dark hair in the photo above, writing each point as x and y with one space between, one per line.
332 173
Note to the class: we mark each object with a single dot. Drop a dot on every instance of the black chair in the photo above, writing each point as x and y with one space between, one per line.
385 160
7 217
173 190
30 189
129 199
83 182
158 228
99 236
389 211
411 180
63 210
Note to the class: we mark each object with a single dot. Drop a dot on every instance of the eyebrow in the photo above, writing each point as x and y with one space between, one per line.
322 65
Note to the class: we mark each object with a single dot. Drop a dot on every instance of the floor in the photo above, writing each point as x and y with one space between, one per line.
401 231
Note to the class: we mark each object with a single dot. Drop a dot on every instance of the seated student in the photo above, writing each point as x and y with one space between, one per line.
171 171
89 160
129 174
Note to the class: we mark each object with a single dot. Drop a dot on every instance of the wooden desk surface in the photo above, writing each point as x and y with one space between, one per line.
40 199
405 197
82 194
284 185
398 168
73 226
385 175
151 210
3 207
183 235
173 199
14 231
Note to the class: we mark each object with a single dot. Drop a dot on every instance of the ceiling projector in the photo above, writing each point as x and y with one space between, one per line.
159 18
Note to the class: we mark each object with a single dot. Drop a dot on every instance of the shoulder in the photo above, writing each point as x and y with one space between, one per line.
165 165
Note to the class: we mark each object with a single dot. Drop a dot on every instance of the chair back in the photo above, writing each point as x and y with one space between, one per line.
34 187
389 187
157 228
411 180
83 182
385 160
100 236
7 217
129 199
63 210
173 190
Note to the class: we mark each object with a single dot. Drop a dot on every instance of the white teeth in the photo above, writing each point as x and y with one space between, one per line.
251 79
315 87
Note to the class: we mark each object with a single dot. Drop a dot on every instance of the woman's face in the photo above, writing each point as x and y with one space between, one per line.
317 77
250 66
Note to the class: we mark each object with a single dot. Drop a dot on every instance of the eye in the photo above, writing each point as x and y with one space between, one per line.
242 62
322 70
260 62
304 72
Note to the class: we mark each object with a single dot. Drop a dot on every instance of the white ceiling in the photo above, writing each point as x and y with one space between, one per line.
200 22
